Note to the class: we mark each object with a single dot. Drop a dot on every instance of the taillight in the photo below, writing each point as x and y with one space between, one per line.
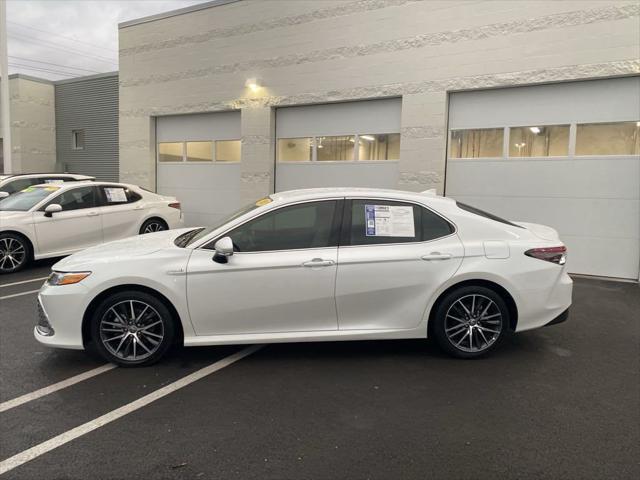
175 205
550 254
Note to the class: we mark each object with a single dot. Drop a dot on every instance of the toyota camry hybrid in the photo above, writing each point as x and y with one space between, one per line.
52 220
312 265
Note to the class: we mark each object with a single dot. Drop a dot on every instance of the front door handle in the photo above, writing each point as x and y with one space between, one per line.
436 256
318 262
93 214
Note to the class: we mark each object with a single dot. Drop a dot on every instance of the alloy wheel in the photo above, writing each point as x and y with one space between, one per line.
131 330
153 227
473 323
12 254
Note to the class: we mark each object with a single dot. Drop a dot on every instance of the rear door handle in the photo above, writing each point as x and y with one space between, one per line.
436 256
318 262
92 214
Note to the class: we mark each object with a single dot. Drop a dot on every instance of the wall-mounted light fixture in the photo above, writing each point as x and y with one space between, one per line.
254 84
535 130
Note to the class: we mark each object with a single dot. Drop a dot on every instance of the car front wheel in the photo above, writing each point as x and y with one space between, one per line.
132 329
471 321
14 252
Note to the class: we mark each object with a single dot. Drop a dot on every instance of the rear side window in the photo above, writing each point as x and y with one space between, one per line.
117 195
372 222
482 213
307 225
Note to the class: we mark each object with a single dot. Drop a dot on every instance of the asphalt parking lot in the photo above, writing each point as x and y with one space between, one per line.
559 402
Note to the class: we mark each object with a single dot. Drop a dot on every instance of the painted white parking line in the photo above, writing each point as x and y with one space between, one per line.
19 294
23 281
55 442
28 397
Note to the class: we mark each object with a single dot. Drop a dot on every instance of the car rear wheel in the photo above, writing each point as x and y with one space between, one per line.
14 252
471 322
132 329
153 225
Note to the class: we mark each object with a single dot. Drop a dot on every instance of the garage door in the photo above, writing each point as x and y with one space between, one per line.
565 155
199 163
351 144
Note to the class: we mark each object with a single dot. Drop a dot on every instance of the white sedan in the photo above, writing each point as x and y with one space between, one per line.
53 220
312 265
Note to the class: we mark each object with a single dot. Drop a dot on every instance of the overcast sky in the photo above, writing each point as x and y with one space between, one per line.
69 38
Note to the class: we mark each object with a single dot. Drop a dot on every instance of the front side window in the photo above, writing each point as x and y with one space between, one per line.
619 138
476 143
75 199
308 225
539 141
381 221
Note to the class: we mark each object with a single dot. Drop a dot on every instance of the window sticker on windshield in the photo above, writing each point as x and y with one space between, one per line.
389 221
115 195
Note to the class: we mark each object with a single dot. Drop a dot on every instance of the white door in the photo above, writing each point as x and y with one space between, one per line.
122 211
394 259
281 277
77 226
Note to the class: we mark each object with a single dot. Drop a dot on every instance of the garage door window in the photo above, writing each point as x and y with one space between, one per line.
170 152
539 141
379 146
338 148
476 143
199 151
619 138
228 150
295 149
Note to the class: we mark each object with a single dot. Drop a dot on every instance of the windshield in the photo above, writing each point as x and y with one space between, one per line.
26 199
192 236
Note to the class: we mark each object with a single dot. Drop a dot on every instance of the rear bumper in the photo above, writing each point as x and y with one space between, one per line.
560 318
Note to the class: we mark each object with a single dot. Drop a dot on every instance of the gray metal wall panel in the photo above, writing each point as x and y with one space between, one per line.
90 105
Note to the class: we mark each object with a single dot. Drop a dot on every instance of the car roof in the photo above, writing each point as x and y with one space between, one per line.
80 183
49 174
319 193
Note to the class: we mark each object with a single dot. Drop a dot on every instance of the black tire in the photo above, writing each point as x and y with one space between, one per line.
15 252
153 225
461 331
153 328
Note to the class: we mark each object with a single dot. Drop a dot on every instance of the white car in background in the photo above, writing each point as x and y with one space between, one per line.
10 184
53 220
312 265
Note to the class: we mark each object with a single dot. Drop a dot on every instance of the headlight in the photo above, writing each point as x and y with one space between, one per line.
66 278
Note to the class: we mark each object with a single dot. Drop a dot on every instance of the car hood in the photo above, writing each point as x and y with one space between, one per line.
120 250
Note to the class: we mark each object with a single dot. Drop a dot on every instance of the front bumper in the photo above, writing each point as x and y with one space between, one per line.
60 316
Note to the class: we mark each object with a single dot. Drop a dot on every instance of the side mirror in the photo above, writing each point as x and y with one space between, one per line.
4 195
51 209
224 249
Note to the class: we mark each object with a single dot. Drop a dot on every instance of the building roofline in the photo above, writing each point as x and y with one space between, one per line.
22 76
86 77
174 13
